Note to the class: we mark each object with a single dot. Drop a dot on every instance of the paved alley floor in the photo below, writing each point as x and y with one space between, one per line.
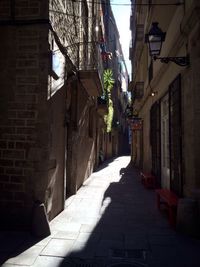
111 221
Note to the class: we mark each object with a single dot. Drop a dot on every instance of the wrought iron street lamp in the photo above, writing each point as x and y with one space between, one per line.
155 38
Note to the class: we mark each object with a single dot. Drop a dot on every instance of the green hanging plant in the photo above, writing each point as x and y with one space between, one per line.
108 82
109 117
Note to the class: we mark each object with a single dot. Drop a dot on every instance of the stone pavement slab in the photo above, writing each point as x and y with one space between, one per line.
58 248
43 261
66 235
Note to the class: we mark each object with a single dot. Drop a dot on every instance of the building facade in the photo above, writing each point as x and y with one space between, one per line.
51 76
165 95
52 128
117 138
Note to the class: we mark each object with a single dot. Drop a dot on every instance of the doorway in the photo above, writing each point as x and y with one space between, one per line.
175 136
155 141
165 162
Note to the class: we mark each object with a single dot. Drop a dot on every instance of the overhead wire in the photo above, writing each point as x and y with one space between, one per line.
116 4
132 4
111 3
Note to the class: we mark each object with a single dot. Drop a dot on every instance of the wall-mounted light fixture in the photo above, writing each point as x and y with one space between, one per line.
155 38
153 93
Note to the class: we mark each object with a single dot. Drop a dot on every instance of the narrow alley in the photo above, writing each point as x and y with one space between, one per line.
111 221
84 82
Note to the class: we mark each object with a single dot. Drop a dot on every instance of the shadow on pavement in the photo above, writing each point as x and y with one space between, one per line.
131 232
15 243
111 242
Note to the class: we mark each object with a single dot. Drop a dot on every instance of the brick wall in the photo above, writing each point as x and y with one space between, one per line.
65 19
23 9
23 81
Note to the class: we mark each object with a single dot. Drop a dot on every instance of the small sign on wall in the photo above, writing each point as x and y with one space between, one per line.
136 124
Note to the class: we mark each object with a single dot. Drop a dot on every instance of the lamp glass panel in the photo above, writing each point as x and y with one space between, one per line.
155 46
154 38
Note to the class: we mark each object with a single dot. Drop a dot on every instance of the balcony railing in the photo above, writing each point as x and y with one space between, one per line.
86 56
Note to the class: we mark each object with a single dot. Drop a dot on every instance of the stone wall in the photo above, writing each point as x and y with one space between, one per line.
23 10
23 79
191 113
178 42
65 20
38 130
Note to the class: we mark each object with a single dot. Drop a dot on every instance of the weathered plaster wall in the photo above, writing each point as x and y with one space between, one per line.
81 138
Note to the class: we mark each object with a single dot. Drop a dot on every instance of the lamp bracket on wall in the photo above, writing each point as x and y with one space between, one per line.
155 38
181 61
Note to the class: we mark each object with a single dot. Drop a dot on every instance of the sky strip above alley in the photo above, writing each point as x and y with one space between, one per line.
121 10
